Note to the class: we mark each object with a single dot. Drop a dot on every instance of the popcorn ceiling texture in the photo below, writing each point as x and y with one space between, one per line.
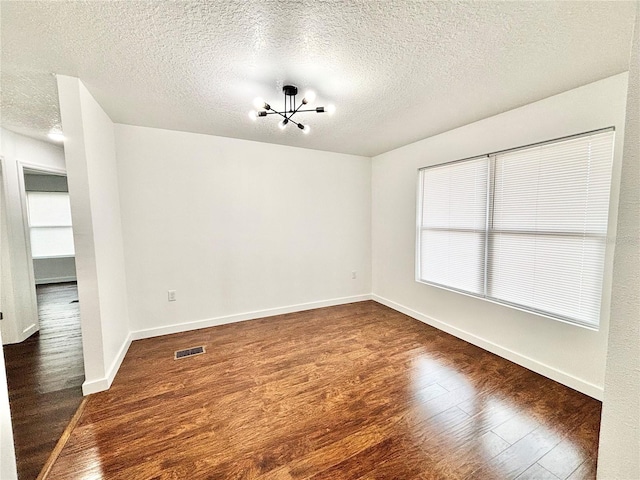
398 71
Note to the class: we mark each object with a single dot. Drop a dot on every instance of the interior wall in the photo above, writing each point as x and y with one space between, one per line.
18 282
238 229
7 451
8 468
54 270
619 453
95 210
567 353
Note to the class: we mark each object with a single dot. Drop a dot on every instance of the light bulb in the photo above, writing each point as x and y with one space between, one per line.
253 115
56 136
258 102
330 109
283 124
306 129
309 96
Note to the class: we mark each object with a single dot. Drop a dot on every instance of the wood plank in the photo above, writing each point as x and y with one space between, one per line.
44 378
354 391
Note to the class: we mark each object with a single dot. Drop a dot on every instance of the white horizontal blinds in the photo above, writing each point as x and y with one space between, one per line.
452 225
51 233
52 242
49 209
548 233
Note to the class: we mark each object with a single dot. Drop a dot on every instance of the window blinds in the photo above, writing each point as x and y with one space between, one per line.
51 232
548 234
525 227
452 226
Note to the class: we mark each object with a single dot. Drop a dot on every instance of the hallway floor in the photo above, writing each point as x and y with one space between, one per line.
45 375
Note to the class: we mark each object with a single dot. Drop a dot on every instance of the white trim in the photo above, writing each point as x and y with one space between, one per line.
43 281
95 386
30 330
32 167
104 383
240 317
548 371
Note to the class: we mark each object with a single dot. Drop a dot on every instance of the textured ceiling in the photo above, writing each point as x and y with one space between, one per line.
397 71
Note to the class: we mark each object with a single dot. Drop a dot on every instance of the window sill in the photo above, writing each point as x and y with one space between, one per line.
593 328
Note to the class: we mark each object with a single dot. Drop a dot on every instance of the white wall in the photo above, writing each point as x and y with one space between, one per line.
570 354
18 292
8 469
7 451
95 210
619 453
54 270
239 229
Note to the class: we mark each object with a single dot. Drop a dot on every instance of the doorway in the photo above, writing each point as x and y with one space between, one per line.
45 372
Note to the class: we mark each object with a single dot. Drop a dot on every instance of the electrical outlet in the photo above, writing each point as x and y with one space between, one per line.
172 295
354 275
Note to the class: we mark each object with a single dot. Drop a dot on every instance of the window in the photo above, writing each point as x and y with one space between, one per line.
50 229
525 227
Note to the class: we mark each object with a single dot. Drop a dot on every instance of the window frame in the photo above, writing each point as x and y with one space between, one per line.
489 229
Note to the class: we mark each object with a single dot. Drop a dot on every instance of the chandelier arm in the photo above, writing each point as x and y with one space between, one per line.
297 111
293 121
283 115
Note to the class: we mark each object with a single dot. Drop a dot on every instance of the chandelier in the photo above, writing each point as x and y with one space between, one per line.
290 108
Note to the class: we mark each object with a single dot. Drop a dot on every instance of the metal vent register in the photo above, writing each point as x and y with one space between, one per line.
189 352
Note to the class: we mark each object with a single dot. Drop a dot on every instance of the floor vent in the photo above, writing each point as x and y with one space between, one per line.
189 352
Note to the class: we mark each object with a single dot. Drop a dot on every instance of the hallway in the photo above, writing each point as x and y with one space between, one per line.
45 375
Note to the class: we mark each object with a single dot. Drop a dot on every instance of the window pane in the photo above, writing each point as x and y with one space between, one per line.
51 242
48 209
550 214
455 195
452 225
558 187
561 275
453 259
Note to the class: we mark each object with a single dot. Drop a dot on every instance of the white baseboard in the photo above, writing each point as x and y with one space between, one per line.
43 281
100 384
240 317
27 332
578 384
559 376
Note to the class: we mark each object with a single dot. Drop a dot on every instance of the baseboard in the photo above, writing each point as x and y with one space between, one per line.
44 281
30 330
550 372
240 317
101 384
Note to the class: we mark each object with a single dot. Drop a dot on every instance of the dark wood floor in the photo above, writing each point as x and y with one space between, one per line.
350 392
45 375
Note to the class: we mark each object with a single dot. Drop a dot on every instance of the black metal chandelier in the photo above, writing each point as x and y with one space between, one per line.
290 108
